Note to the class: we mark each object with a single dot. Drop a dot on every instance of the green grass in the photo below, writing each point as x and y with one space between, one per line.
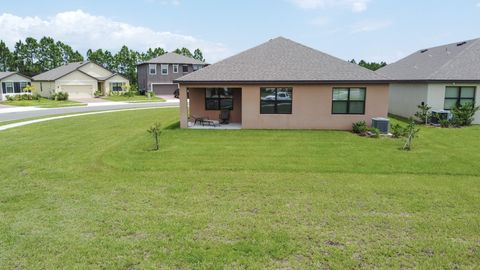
137 98
43 103
88 192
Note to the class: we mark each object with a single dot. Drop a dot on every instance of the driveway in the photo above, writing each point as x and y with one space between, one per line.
8 114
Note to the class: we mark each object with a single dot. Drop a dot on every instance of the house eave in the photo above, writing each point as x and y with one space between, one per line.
303 82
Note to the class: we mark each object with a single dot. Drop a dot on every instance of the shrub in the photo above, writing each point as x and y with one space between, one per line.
58 96
10 98
398 131
410 133
155 131
360 127
98 93
463 115
424 113
444 123
374 132
149 94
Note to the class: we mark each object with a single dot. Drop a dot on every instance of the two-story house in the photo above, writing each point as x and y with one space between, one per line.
157 74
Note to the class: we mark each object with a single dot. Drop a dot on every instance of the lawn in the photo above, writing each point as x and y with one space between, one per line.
136 98
43 103
88 192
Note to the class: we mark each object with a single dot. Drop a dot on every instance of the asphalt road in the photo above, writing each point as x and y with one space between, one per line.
55 111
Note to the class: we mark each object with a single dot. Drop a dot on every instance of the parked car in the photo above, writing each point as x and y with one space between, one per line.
280 96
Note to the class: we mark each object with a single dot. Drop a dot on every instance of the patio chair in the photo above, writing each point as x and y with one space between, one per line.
224 117
198 119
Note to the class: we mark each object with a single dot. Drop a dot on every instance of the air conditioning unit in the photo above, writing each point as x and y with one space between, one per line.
438 115
381 123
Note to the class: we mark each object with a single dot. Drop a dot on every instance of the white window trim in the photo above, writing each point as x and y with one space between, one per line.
162 66
11 85
175 68
150 69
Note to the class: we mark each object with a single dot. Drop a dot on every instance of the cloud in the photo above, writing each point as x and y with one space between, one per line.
320 21
82 31
354 5
370 25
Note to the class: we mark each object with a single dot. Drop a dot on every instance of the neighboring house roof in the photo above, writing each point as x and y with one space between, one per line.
282 60
458 61
173 58
61 71
4 75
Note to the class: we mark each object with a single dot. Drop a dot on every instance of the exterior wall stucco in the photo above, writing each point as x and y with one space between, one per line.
311 107
44 88
404 98
197 105
95 70
436 96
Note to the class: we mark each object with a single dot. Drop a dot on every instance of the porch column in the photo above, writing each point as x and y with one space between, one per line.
183 107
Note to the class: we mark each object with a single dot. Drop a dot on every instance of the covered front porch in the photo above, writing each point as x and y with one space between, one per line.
211 107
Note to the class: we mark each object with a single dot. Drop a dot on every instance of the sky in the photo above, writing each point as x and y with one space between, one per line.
374 30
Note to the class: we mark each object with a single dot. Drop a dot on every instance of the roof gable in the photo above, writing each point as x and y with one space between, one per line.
173 58
282 60
452 62
6 74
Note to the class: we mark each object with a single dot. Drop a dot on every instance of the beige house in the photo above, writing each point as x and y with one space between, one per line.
12 84
79 80
282 84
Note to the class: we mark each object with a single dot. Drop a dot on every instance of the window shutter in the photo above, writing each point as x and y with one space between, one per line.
17 87
4 88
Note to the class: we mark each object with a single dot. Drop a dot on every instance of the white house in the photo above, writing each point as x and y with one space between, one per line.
12 83
441 76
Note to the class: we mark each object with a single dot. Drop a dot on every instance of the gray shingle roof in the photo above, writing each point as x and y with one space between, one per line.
173 58
58 72
458 61
6 74
282 60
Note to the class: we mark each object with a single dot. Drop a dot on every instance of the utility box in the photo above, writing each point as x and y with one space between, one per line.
381 123
438 115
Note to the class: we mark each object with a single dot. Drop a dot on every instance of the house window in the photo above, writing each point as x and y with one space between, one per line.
348 101
276 100
116 86
9 87
185 68
164 69
196 67
219 98
152 69
22 86
460 95
175 68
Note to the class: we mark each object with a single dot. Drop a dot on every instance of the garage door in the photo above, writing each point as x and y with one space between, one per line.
78 91
164 89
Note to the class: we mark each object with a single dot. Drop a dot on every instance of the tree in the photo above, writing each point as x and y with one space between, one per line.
197 54
68 55
26 57
369 65
6 58
49 55
155 131
424 113
184 51
410 133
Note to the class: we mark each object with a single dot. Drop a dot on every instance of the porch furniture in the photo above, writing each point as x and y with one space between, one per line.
208 122
198 119
224 117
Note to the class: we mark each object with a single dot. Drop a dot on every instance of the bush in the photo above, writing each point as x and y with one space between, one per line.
444 123
374 132
98 93
463 115
10 98
58 96
360 128
398 131
424 113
